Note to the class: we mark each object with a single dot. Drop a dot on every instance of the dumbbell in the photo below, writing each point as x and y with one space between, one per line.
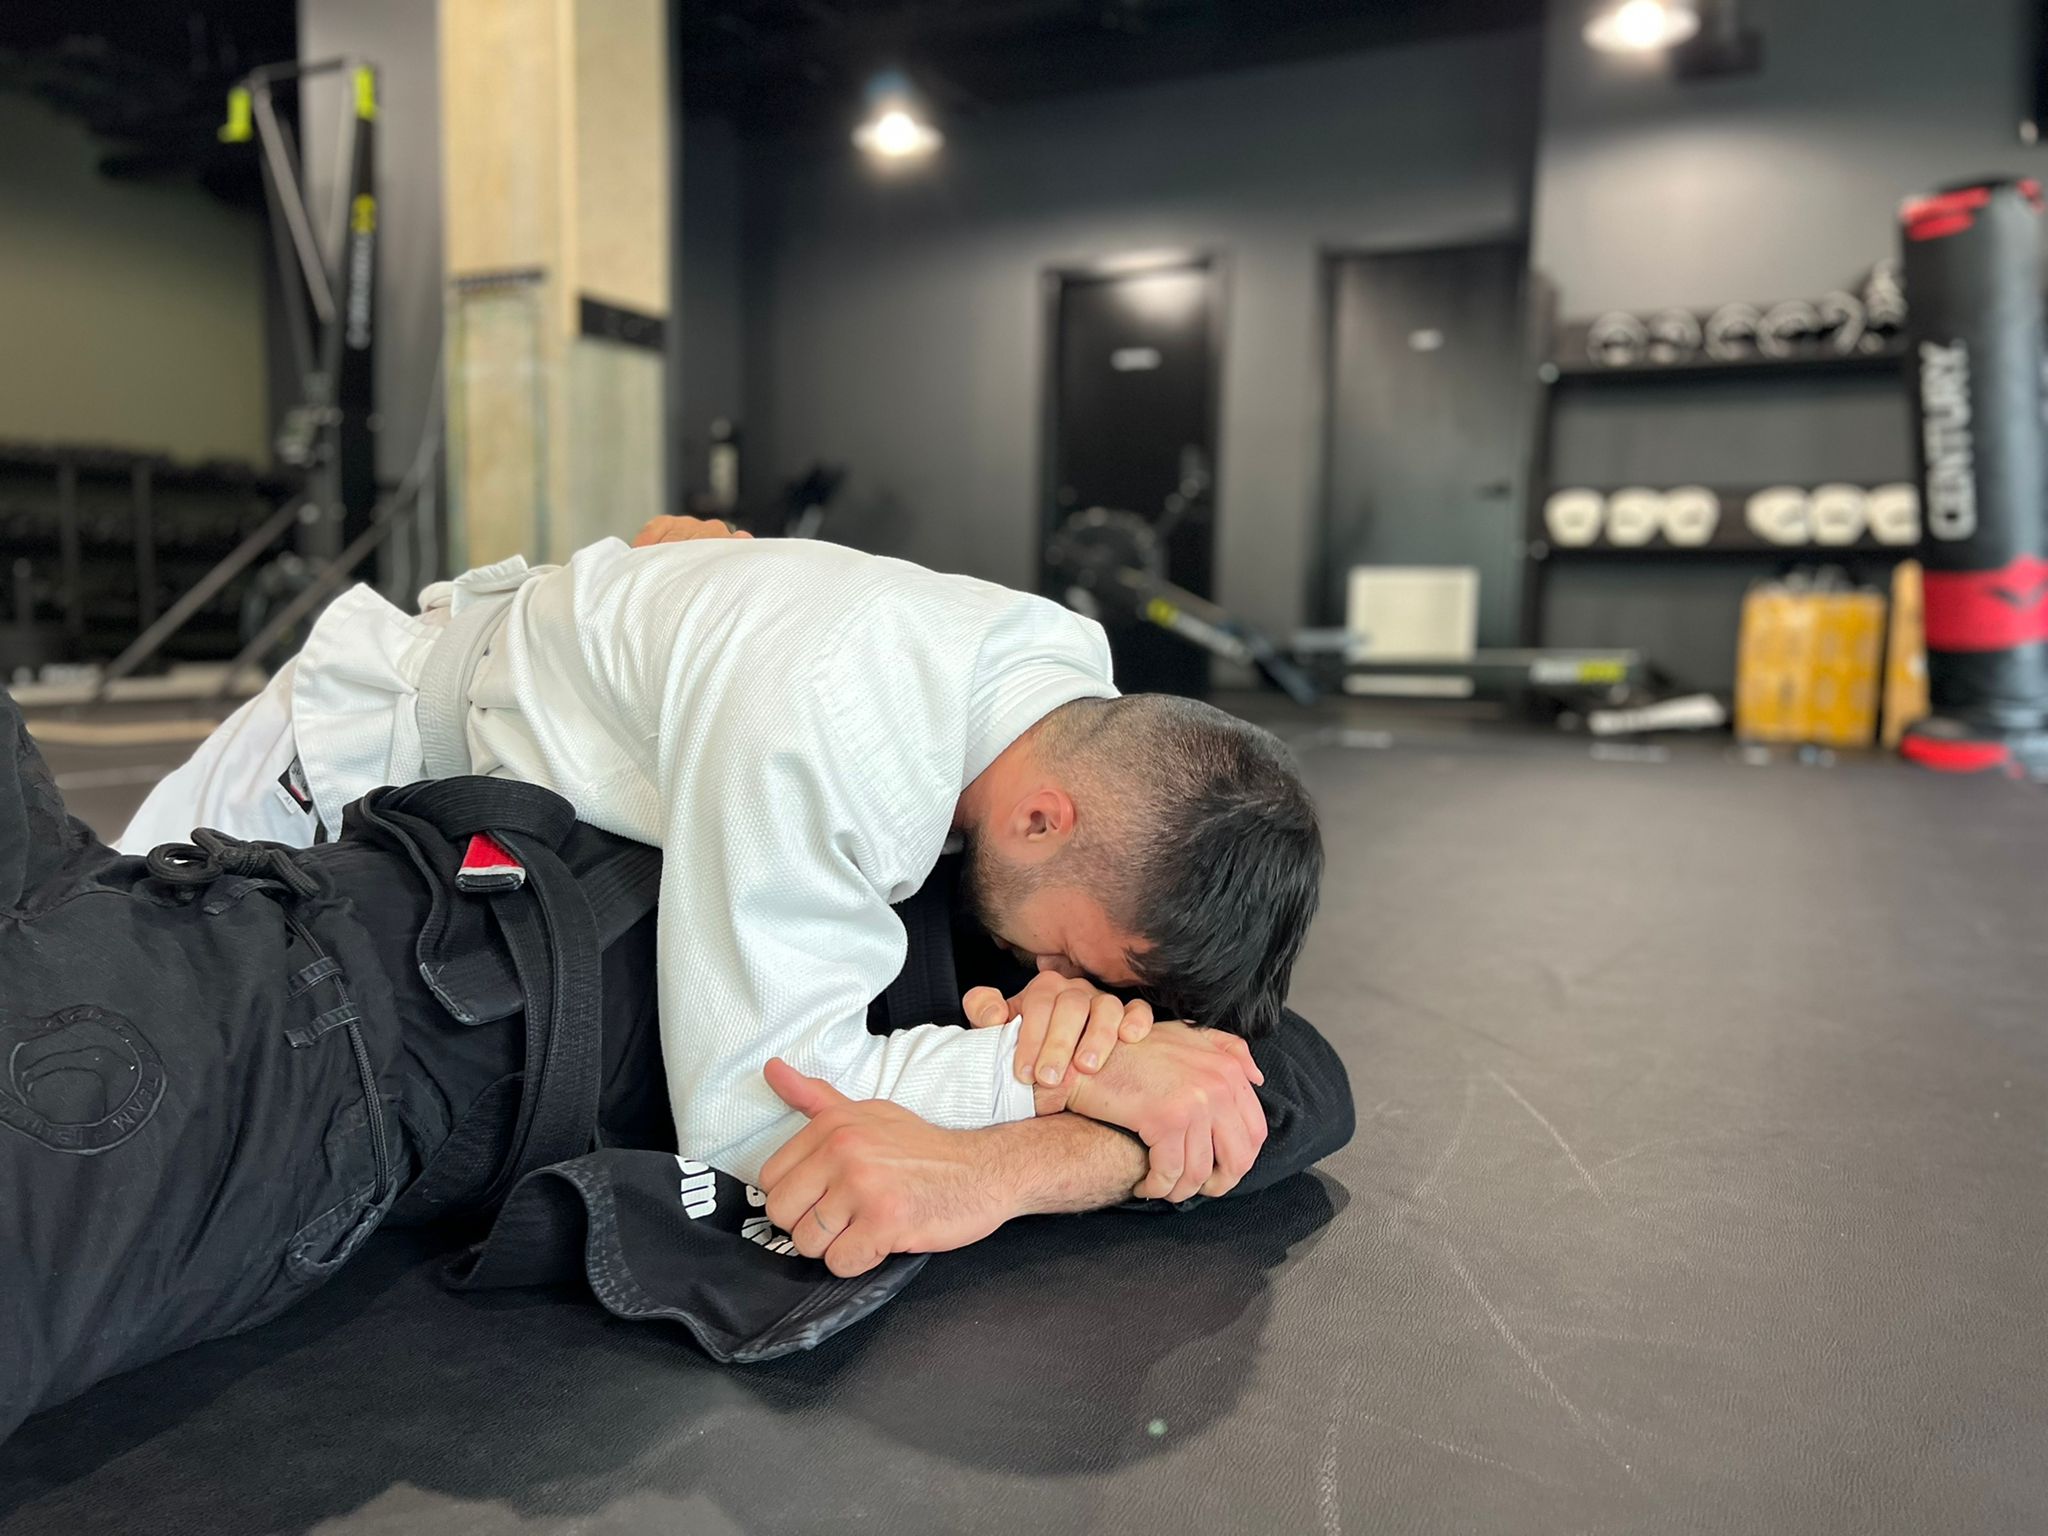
1617 339
1884 305
1841 321
1788 329
1731 332
1674 336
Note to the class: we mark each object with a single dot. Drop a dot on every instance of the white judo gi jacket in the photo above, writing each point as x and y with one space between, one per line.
792 722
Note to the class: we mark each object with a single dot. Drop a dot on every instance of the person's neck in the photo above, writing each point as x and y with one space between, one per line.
986 787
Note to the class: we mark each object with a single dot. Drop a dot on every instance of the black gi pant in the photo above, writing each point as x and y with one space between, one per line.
221 1069
216 1082
173 1167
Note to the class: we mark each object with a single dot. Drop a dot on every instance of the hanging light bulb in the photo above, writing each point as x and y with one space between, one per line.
1643 26
895 129
897 134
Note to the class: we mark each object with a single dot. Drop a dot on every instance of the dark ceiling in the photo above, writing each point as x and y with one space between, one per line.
777 65
150 77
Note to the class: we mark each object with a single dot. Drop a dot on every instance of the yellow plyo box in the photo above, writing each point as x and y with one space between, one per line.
1808 665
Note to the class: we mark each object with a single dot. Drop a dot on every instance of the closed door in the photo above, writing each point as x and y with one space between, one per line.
1133 429
1431 409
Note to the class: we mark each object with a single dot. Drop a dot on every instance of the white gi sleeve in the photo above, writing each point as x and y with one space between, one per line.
782 798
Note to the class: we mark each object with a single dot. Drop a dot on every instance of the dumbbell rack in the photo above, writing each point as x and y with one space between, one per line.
1732 537
95 542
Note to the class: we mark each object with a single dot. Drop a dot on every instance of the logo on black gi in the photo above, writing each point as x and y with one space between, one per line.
82 1080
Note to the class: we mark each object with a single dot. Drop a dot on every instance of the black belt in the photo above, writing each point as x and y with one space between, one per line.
546 958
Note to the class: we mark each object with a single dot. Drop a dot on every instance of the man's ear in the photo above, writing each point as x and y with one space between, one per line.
1041 822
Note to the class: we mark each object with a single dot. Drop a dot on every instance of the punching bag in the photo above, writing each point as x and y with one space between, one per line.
1972 263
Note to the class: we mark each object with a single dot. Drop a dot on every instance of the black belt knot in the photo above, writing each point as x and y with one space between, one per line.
211 855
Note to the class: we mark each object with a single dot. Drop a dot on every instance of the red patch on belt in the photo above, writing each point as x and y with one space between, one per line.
489 866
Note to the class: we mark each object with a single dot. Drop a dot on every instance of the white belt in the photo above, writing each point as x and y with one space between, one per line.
445 683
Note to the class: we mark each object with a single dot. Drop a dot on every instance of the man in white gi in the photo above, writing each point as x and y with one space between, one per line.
801 727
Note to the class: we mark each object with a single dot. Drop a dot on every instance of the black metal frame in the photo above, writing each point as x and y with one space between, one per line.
1554 373
330 309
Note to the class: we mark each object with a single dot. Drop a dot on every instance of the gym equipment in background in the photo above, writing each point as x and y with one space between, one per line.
1838 514
327 264
1884 306
1781 514
1840 324
1617 340
1841 321
1895 513
1789 328
1731 332
1112 563
1865 520
1809 663
1573 517
1972 256
1674 336
1633 517
1691 513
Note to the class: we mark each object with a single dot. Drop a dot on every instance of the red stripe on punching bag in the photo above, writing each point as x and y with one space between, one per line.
1988 610
1945 213
1957 756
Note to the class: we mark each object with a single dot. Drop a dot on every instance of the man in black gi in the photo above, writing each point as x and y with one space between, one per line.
223 1066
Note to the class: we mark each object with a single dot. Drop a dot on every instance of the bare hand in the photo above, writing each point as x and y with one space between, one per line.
1067 1022
867 1178
684 530
1187 1094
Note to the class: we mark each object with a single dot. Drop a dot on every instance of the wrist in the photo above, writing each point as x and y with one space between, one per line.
1052 1101
1064 1163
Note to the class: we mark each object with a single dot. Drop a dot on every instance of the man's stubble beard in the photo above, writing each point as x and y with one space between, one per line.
995 887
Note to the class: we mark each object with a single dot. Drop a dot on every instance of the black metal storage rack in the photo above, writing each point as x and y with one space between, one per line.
1732 538
96 542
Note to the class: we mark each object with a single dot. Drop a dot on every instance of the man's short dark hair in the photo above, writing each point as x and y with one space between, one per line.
1196 832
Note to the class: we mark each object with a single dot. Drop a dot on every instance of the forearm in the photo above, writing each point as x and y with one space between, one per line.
1061 1163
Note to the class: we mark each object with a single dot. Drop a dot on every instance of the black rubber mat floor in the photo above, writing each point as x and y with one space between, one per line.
1698 1186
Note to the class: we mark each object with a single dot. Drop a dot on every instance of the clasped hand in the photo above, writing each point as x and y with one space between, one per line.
1186 1092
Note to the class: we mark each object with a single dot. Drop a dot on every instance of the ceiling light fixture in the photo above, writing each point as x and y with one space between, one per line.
895 128
1643 26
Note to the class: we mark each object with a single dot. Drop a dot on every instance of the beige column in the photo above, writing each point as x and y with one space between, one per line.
555 133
